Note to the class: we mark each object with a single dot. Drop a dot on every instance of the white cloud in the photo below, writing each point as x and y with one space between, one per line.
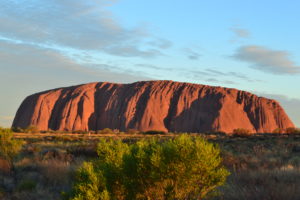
86 25
267 60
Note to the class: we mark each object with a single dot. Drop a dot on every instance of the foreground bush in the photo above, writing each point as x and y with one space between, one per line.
9 147
179 168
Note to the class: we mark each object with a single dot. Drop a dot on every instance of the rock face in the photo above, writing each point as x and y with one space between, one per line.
150 105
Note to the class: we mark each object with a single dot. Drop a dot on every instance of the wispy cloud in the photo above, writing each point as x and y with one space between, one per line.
231 75
154 67
215 80
211 75
85 25
240 32
161 43
30 60
267 60
132 50
191 54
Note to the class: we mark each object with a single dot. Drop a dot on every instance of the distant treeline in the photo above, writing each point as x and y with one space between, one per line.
108 131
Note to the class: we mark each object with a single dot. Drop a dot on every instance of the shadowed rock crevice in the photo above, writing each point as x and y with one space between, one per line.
100 117
25 112
173 108
141 104
200 116
150 105
251 107
56 117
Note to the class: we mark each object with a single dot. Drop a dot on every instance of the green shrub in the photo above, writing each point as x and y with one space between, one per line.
64 138
179 168
241 132
154 132
292 130
106 131
132 132
31 129
9 147
278 131
80 132
17 129
26 185
90 184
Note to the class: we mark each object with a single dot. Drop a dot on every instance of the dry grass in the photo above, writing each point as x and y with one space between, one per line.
42 171
263 185
5 166
263 167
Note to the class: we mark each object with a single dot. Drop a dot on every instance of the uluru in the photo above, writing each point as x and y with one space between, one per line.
150 105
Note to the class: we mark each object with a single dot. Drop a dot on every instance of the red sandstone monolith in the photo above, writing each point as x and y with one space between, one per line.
150 105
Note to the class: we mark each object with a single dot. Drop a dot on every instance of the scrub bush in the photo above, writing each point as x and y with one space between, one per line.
241 132
178 168
9 147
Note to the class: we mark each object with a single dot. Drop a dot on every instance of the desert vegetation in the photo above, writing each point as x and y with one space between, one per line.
9 148
179 168
134 165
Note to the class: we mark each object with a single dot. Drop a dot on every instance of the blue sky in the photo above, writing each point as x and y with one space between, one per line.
249 45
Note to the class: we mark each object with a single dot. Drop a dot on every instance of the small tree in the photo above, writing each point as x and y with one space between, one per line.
9 147
292 130
107 131
179 168
241 132
278 131
31 129
90 184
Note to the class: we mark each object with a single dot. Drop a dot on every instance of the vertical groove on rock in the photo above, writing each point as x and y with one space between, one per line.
173 108
141 104
56 114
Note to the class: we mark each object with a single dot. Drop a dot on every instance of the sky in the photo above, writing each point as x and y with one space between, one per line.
249 45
